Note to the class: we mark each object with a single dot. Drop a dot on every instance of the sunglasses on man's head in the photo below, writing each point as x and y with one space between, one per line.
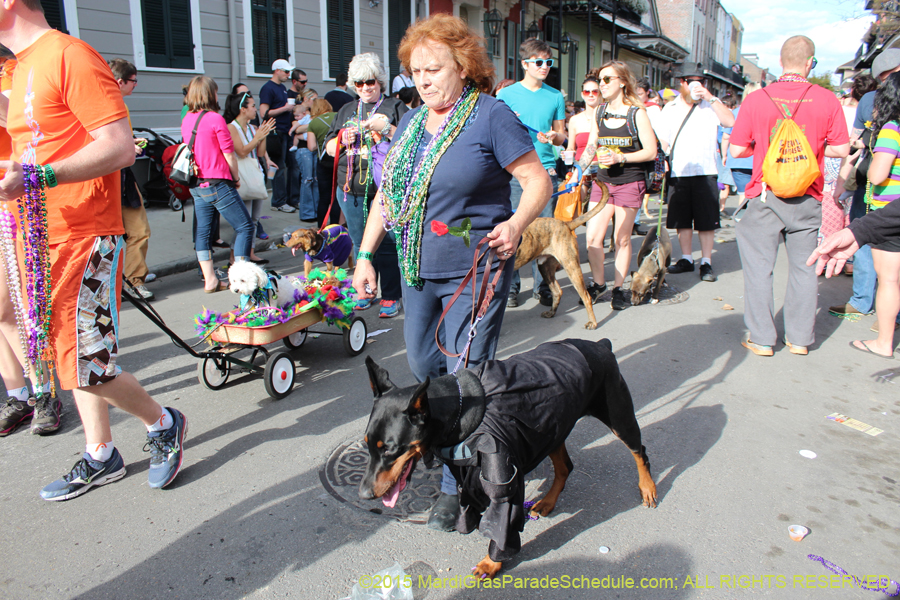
608 78
369 82
590 92
539 62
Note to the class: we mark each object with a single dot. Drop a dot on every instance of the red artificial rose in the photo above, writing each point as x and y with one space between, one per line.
439 228
332 296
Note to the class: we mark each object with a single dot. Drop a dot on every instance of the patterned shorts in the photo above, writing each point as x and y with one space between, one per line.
87 284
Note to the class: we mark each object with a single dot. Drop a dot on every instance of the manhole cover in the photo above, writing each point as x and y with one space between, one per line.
669 294
345 468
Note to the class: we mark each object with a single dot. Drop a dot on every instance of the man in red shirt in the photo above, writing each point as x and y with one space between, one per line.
769 219
67 119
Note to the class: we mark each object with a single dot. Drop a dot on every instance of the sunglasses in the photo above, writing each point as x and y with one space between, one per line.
539 62
814 62
303 81
608 78
590 92
134 81
690 81
369 82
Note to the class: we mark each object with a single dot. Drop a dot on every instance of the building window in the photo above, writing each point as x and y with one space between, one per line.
513 39
574 90
168 40
341 36
270 34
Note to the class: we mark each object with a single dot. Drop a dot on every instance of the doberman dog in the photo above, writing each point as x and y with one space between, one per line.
553 243
494 423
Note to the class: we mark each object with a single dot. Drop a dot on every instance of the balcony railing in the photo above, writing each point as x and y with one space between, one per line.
726 73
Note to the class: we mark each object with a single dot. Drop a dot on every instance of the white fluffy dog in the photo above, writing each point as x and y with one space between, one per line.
260 288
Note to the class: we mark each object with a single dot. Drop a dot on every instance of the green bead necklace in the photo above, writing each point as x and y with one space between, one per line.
404 186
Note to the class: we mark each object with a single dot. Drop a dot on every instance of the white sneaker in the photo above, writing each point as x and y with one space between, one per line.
285 208
142 291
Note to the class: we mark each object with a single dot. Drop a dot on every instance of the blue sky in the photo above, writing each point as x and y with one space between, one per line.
836 27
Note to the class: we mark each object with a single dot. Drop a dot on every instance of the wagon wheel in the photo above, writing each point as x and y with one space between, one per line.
279 375
295 340
355 336
174 203
211 375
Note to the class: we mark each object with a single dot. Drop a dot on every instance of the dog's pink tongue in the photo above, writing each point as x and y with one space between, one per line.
294 251
390 499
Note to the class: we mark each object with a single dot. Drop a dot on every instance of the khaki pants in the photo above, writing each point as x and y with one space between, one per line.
137 230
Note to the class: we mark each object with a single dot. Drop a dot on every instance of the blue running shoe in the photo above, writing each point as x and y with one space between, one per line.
363 304
86 473
389 308
165 451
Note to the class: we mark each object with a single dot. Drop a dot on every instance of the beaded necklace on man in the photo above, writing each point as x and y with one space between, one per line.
404 185
792 77
363 136
33 217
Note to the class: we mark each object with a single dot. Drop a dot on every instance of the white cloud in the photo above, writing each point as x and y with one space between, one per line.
835 27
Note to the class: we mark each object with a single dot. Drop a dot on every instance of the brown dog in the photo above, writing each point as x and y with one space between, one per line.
553 243
331 246
653 260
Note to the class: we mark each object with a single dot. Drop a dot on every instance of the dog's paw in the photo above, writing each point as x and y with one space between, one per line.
654 301
648 495
487 568
548 314
591 325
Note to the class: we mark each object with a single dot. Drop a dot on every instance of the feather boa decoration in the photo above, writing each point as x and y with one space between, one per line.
334 296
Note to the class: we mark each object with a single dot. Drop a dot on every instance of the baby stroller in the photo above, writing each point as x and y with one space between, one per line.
158 188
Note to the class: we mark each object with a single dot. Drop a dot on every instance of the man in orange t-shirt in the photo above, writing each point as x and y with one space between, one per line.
66 116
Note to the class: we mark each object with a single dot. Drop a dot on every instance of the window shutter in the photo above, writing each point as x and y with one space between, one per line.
399 18
56 14
269 33
341 44
168 35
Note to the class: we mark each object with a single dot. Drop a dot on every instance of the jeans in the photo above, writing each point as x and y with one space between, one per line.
514 197
385 260
307 183
224 199
281 185
864 278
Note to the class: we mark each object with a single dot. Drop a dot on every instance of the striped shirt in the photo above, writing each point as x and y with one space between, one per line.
888 142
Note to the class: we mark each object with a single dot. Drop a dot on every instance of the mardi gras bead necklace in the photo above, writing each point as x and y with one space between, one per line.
794 77
404 186
33 216
363 137
13 283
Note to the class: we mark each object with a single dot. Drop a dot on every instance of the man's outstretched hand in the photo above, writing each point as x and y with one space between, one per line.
833 253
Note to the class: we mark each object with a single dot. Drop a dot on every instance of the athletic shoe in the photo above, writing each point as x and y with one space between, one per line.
86 473
165 448
287 208
46 416
512 301
706 272
594 292
636 230
757 349
363 304
12 414
140 291
619 299
545 297
389 308
682 266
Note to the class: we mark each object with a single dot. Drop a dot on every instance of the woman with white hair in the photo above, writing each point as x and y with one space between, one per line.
356 173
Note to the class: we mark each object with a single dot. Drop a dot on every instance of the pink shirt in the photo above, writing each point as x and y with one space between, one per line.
212 143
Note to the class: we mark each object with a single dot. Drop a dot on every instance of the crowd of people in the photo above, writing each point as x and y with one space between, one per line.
397 158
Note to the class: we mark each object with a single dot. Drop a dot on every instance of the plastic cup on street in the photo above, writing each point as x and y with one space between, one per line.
797 532
568 156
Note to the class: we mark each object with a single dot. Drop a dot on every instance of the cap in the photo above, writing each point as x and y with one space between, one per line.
886 61
668 93
283 65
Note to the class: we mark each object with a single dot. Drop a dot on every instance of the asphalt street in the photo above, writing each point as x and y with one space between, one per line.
250 515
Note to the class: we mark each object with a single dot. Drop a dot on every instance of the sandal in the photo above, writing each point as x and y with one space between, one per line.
865 348
222 286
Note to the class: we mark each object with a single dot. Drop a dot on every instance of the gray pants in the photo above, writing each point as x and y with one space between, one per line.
764 225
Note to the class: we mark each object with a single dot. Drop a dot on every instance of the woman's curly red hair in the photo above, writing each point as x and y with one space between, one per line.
466 47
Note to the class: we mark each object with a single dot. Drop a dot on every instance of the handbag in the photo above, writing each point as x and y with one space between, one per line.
568 206
253 182
184 169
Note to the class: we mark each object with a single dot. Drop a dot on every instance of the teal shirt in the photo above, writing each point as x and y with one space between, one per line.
537 110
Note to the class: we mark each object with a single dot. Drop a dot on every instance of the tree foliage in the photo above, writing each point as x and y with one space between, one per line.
824 80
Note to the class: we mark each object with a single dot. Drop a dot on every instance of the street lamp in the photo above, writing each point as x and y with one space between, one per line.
533 31
494 20
567 44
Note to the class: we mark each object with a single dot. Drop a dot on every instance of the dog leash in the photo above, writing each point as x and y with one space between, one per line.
337 158
481 299
573 183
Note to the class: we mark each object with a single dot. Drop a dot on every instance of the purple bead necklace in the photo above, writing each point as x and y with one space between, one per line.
33 217
8 243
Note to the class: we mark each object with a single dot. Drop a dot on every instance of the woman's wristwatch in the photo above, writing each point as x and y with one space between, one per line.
386 130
